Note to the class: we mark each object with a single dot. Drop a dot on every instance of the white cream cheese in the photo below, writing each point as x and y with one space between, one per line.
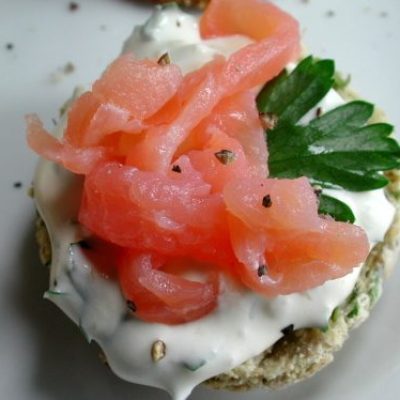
243 325
171 31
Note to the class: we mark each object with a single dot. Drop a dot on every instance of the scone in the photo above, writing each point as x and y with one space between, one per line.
203 210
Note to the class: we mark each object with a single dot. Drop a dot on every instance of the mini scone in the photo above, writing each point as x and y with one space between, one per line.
217 189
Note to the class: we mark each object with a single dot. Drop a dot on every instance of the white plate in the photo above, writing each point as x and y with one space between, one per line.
42 355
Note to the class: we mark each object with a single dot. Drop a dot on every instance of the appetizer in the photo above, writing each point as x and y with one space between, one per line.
215 203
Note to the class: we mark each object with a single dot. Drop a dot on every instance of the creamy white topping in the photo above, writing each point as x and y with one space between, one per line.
243 325
171 31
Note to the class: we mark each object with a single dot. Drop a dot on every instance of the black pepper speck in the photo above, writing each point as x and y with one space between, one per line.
266 201
225 156
83 244
131 305
262 270
164 59
176 168
288 330
318 192
73 6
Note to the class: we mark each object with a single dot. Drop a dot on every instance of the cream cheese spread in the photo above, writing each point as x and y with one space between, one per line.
244 324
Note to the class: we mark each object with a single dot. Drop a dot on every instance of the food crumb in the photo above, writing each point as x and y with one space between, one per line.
61 72
225 156
176 168
103 359
266 201
9 46
131 306
17 184
73 6
268 120
31 192
164 59
318 192
83 244
158 350
69 68
288 330
262 270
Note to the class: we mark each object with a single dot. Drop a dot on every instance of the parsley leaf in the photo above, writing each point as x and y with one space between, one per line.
338 149
290 96
330 206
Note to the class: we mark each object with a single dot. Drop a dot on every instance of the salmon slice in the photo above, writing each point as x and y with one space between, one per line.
238 117
221 160
140 86
296 250
258 63
172 215
199 96
90 121
256 19
129 91
280 204
276 33
161 297
277 263
77 160
249 67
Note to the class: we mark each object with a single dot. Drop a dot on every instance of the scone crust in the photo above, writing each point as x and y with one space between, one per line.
304 352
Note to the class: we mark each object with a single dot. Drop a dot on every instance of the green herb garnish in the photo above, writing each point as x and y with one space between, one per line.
354 311
194 366
324 329
291 96
330 206
336 315
51 292
338 149
375 293
341 82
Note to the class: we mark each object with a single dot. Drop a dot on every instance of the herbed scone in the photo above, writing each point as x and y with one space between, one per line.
301 353
215 207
